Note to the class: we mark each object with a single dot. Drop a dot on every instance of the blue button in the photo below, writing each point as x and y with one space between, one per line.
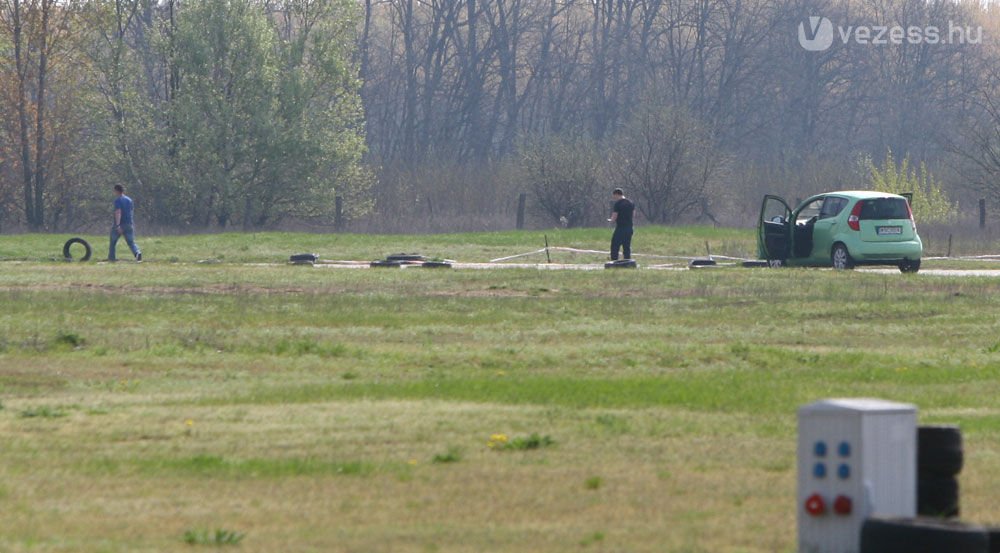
844 449
844 471
819 470
820 449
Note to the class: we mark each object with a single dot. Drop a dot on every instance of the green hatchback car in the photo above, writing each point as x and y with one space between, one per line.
840 230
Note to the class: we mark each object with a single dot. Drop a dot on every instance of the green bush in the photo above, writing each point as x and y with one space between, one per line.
216 538
930 204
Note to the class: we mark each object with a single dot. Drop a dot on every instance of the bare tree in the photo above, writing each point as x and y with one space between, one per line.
667 160
563 175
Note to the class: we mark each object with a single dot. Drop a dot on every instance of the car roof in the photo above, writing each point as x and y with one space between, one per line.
861 194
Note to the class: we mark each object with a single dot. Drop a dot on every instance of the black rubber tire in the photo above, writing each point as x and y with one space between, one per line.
937 496
304 257
386 263
621 264
702 263
909 266
68 255
436 265
921 535
405 257
994 536
939 450
840 258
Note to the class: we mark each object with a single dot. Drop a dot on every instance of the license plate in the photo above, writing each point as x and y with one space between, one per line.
885 231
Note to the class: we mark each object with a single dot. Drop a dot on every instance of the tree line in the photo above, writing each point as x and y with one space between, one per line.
215 113
435 114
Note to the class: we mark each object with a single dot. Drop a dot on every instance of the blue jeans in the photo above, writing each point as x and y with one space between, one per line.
128 231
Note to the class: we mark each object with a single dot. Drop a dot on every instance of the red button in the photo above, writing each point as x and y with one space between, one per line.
842 505
815 505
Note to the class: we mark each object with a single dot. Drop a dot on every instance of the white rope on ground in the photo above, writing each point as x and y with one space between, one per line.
651 255
340 262
965 258
499 259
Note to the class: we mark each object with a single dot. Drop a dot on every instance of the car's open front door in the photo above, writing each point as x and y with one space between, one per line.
774 229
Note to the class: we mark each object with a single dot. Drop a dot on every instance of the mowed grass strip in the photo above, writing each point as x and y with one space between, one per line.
305 407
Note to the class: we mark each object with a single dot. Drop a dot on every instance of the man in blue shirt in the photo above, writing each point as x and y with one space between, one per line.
124 225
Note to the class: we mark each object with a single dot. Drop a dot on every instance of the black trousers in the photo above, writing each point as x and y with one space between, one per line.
622 238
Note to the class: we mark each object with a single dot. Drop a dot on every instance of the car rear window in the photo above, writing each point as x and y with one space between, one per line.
884 208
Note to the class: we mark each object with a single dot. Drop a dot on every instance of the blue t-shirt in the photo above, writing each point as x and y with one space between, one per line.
124 203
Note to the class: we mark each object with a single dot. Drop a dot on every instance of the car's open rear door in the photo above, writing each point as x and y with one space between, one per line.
774 229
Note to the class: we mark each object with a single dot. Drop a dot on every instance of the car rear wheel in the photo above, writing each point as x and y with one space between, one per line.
841 258
909 266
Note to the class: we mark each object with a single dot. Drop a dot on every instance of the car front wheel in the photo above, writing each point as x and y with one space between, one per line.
909 266
841 258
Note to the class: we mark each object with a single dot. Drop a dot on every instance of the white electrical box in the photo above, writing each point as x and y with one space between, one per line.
856 458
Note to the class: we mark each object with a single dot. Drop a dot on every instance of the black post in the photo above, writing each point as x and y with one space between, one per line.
982 212
338 214
521 199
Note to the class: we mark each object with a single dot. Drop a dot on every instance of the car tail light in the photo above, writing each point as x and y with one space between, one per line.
909 211
854 221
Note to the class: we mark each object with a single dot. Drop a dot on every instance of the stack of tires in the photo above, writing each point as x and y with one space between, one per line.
939 460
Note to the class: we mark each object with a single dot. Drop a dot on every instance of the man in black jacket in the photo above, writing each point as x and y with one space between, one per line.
621 216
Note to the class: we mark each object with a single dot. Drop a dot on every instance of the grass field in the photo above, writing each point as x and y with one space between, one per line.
176 405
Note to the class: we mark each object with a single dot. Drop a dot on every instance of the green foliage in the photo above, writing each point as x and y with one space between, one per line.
592 539
215 466
452 455
534 441
930 203
217 538
593 483
69 339
262 118
43 412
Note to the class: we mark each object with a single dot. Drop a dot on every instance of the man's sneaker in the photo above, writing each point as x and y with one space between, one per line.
138 257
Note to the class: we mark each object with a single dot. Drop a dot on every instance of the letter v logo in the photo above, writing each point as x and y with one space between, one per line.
816 34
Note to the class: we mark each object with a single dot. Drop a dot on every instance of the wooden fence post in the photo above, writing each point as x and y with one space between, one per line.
338 214
521 199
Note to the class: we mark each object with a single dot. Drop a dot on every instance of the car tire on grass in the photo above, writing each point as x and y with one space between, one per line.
909 266
405 257
939 450
68 255
386 263
994 535
937 496
841 258
920 535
